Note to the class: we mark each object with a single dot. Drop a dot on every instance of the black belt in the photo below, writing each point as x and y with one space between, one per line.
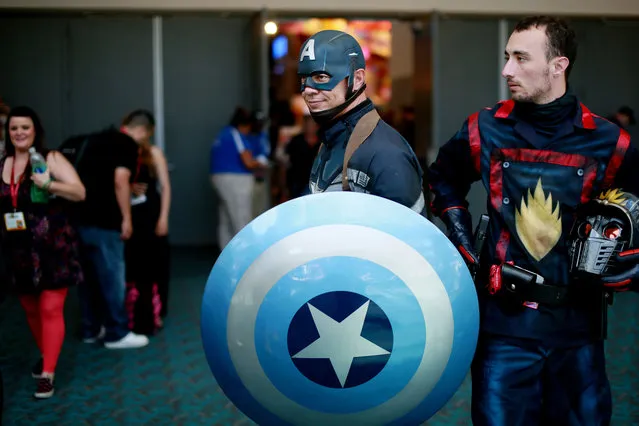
529 287
520 286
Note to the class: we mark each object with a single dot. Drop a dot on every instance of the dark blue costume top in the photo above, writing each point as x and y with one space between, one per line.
384 165
534 180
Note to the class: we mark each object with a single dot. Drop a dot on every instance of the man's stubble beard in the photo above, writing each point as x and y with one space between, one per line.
539 96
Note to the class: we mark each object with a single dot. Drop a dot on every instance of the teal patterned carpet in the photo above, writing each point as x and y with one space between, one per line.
169 382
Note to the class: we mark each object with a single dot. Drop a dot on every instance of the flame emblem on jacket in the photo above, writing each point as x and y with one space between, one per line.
538 224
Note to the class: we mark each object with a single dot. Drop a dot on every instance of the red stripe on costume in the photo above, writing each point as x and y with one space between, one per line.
505 109
496 182
548 157
465 253
452 208
615 161
502 245
542 156
619 284
590 174
474 140
628 253
587 119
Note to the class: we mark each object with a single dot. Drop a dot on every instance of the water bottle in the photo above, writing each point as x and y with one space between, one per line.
38 165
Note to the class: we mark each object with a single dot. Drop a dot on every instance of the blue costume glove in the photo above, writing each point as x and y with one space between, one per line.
629 277
459 224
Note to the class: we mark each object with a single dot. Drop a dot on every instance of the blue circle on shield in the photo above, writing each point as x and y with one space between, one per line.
340 321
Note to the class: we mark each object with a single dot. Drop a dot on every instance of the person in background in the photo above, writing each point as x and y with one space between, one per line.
298 162
261 150
232 166
40 247
107 162
2 297
282 128
146 252
4 112
624 117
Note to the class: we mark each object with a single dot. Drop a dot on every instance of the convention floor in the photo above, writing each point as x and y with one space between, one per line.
169 382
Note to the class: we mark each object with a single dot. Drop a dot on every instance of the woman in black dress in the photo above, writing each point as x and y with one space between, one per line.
147 251
40 248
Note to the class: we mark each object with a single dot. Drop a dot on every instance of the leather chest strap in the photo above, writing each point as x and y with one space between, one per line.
361 132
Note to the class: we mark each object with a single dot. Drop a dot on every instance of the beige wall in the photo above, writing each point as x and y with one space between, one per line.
493 7
402 65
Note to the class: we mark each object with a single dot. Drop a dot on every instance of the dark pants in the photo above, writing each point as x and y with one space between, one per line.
147 272
102 294
521 384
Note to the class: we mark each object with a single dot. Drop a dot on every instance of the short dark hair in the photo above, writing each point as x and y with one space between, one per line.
562 39
241 117
139 117
25 112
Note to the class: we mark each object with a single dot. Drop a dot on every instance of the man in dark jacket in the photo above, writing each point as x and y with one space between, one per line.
332 73
540 155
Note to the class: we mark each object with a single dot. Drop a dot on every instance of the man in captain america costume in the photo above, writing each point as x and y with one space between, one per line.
333 80
540 155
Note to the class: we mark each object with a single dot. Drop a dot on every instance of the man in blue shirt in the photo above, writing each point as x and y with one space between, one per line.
232 166
333 80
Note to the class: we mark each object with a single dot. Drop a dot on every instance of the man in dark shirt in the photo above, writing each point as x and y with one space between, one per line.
301 152
107 162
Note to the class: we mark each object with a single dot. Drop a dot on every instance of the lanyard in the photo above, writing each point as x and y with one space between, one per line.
14 186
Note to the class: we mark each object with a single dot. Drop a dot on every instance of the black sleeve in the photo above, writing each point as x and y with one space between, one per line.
452 173
125 153
291 148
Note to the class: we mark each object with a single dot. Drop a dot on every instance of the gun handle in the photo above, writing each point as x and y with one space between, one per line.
480 234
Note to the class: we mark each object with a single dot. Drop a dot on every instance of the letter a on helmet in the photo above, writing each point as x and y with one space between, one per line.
308 51
330 52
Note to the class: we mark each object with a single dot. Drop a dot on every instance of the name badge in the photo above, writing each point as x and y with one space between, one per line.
138 200
15 221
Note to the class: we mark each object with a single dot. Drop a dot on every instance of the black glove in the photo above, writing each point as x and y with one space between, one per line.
459 224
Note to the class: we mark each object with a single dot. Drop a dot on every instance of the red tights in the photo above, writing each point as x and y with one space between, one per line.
45 315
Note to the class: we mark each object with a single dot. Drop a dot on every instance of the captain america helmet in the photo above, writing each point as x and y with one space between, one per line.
604 226
333 53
